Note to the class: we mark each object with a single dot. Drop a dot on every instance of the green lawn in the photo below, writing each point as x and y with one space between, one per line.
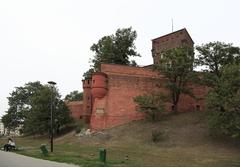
185 143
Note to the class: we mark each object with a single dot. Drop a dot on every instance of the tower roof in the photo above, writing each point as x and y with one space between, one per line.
184 30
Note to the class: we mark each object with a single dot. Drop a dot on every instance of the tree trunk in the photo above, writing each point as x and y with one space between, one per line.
175 108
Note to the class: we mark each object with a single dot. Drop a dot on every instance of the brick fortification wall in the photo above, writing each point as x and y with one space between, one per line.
108 95
76 109
123 83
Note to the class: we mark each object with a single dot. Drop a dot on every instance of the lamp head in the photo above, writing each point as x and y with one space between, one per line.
52 83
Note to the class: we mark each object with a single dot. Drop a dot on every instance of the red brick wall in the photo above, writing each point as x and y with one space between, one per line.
76 109
127 70
124 83
87 99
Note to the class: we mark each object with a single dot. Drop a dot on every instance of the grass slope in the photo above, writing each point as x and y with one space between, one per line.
185 142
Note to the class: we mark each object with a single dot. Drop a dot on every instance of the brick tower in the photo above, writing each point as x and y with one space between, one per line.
170 41
87 99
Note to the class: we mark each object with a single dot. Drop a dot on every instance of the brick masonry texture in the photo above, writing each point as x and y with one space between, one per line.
169 41
76 109
124 82
108 95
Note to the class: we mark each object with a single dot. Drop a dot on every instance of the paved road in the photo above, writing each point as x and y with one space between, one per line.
9 159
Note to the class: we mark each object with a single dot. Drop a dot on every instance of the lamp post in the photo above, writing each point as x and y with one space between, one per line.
51 83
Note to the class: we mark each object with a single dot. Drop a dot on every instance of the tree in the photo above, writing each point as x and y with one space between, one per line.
223 103
74 96
88 73
214 56
150 103
176 65
38 119
114 49
19 104
8 123
33 109
222 74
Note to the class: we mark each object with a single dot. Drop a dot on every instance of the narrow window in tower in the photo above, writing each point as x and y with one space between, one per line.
198 107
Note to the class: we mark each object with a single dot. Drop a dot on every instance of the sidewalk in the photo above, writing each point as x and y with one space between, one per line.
10 159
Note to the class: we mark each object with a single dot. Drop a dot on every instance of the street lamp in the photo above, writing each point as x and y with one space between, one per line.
51 83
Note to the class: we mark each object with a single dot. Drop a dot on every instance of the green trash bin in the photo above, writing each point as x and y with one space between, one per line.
44 150
102 154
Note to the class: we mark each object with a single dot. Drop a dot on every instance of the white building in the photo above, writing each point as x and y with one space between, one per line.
1 128
4 131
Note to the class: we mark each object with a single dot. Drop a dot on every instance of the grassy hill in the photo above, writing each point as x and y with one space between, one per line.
184 142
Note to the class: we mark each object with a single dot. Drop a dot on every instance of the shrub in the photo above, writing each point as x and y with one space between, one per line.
78 129
157 136
152 104
80 124
223 104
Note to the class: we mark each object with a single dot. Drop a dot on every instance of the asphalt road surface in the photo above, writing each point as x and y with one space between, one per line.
9 159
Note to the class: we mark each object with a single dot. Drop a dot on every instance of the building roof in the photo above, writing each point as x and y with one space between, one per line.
174 33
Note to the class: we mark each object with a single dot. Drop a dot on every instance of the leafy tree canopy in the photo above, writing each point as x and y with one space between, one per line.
74 96
176 65
150 103
215 55
29 108
19 104
223 103
115 49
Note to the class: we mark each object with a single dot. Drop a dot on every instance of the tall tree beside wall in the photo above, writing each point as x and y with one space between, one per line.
213 56
223 103
33 101
177 66
19 104
114 49
222 74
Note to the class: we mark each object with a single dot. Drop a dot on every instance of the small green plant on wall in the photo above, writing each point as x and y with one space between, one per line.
152 104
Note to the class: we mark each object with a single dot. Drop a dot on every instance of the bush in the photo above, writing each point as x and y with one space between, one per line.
223 104
78 129
80 124
152 104
157 136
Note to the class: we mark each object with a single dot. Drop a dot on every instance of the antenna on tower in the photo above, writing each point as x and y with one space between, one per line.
172 25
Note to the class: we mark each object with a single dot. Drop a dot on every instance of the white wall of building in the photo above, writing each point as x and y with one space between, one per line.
1 127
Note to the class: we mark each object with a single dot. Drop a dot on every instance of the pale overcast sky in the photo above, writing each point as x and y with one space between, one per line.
42 40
